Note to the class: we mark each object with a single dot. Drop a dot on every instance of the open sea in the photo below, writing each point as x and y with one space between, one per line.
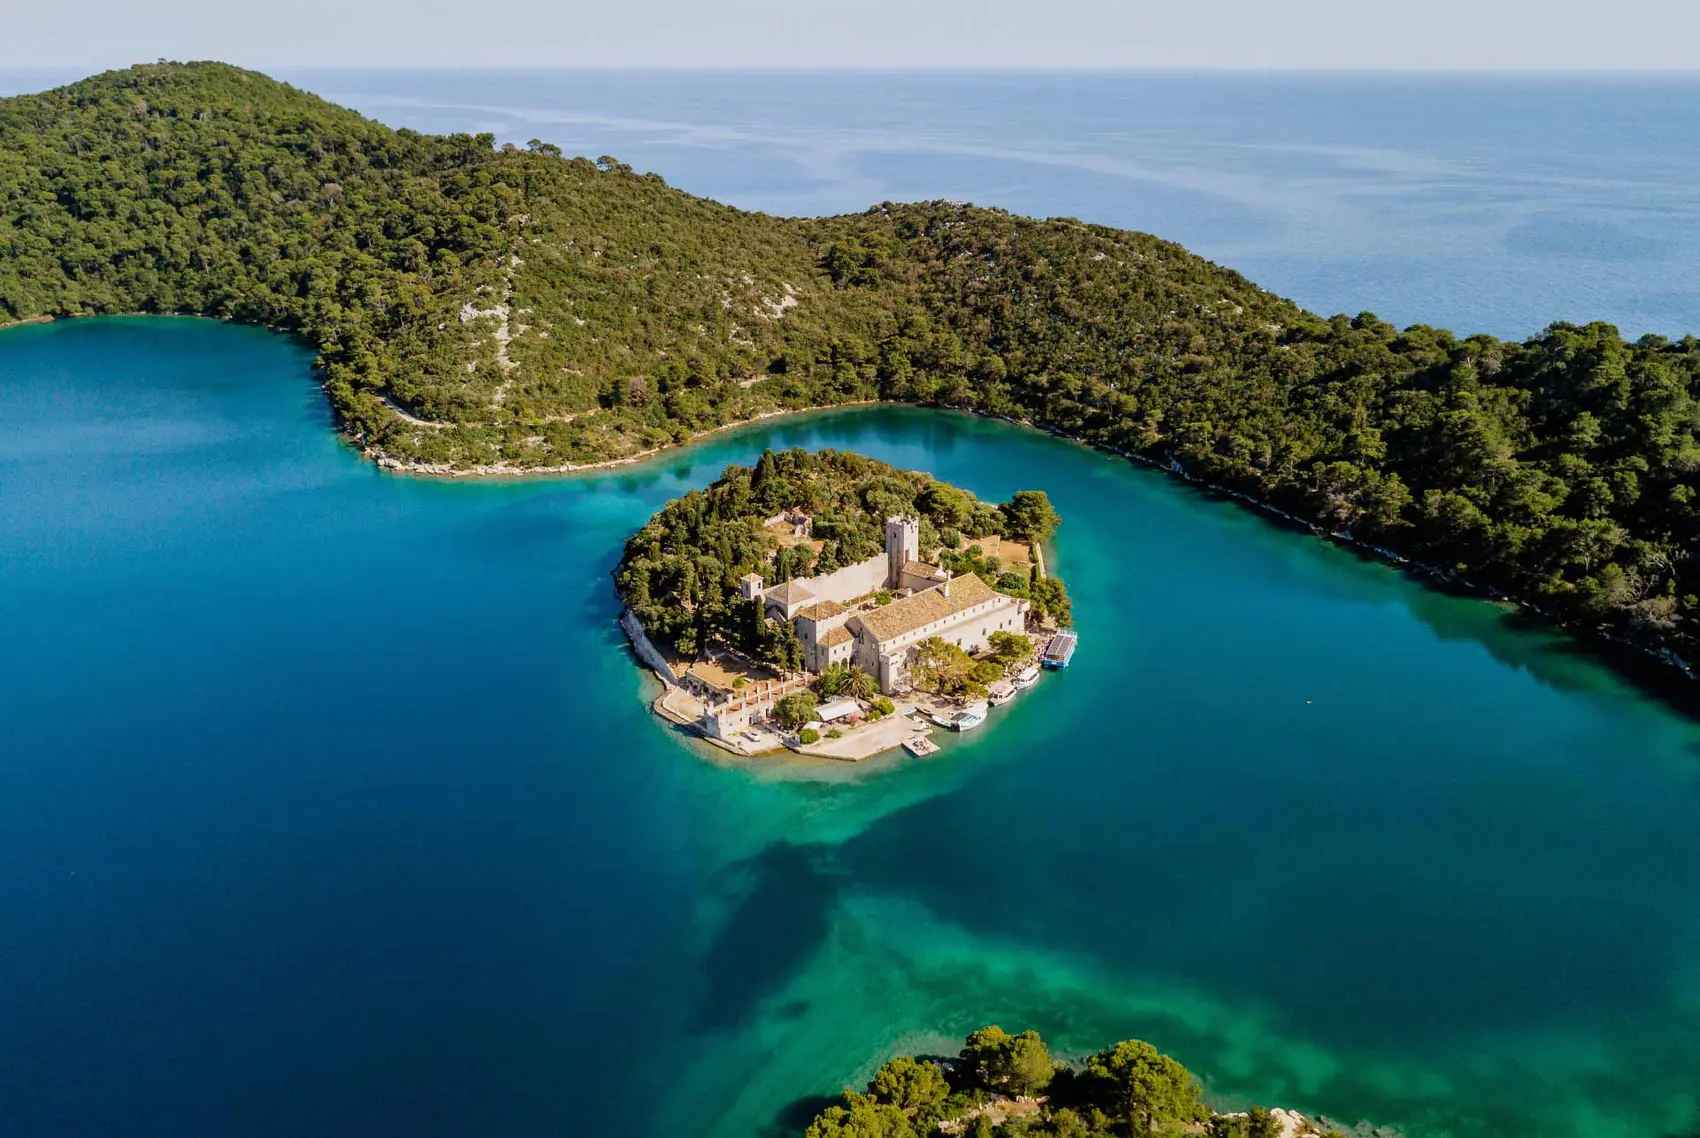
330 804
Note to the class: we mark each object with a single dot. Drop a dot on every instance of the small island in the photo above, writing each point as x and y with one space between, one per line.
833 605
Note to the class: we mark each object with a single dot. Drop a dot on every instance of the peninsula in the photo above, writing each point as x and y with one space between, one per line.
503 310
838 606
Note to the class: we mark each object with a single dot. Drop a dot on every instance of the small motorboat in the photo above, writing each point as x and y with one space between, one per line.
969 717
1026 678
1000 693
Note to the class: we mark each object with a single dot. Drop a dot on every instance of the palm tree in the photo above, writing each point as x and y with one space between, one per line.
834 678
860 684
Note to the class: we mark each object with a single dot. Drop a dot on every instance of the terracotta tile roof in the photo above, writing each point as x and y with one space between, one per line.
899 617
822 610
922 569
790 593
833 637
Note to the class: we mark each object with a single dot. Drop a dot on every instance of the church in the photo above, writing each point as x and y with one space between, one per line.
839 619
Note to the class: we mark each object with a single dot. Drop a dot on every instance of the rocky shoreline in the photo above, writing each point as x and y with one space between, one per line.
395 465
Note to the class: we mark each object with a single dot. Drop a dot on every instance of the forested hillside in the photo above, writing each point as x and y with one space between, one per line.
477 306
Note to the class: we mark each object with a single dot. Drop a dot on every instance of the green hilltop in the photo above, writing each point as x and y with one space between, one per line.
507 308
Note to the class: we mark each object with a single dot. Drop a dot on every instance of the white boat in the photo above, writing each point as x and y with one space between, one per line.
1000 693
969 717
1027 677
920 746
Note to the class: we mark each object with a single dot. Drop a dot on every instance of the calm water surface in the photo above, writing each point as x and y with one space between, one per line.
328 803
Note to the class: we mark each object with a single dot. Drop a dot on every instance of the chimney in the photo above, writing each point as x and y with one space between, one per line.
946 585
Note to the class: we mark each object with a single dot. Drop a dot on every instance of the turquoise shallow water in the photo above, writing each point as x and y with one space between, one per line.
329 804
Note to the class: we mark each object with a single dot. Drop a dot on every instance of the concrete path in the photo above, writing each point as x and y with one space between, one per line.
867 741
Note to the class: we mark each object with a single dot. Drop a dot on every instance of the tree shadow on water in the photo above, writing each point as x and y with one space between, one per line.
794 1117
772 933
1529 641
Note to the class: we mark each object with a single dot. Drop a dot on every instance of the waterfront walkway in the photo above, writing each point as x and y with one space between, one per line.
863 741
868 740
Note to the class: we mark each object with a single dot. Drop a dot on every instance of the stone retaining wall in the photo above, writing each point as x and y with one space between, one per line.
645 650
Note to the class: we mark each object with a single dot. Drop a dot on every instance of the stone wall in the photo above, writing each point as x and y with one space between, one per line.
646 651
850 582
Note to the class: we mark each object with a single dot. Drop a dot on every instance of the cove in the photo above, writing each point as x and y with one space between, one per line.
329 802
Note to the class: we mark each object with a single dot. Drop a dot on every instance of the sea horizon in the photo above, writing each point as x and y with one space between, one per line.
1388 73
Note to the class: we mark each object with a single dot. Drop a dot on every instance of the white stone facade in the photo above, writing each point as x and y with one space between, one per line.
882 640
887 654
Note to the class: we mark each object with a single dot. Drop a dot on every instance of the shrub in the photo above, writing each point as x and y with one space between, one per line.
795 709
808 735
884 706
835 733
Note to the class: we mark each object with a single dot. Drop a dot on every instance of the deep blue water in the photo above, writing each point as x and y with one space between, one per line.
329 804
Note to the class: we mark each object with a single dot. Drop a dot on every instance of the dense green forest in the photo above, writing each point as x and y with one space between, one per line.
1009 1086
680 573
478 306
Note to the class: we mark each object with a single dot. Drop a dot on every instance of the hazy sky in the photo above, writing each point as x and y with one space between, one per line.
1619 34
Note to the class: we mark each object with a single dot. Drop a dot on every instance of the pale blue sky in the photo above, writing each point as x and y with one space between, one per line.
1559 34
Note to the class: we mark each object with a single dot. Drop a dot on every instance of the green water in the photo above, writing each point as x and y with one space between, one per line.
329 801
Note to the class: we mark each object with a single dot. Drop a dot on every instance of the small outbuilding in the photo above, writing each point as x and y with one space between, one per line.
835 709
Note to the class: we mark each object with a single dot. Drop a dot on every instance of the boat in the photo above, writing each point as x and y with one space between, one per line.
969 717
1061 649
1000 693
1026 678
920 746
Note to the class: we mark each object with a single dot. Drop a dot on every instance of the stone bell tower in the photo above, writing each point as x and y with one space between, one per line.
902 545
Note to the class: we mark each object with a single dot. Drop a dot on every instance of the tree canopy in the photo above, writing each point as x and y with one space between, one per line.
795 709
680 573
1147 1084
1030 516
1128 1088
